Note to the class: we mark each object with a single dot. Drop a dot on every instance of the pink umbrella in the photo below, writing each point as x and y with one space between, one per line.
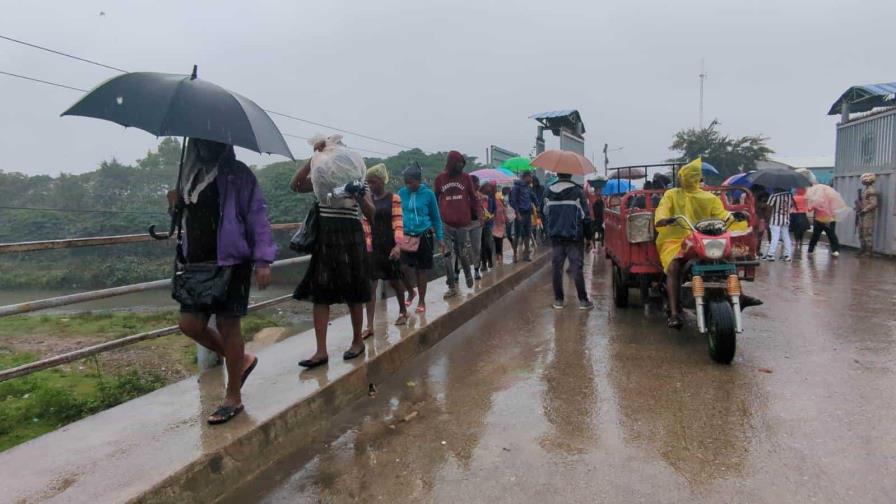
493 175
558 161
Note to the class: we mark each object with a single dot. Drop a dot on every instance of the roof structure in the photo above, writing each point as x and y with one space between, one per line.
557 119
866 97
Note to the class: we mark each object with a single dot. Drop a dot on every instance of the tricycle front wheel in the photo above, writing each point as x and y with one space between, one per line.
721 331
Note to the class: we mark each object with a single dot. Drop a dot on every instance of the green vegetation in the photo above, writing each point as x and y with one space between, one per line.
728 155
140 190
39 403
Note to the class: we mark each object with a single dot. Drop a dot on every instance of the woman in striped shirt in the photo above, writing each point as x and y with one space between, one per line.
781 204
386 232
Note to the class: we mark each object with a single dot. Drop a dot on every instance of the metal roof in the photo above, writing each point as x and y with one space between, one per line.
866 97
557 118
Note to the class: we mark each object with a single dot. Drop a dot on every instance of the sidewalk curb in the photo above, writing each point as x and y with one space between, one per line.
215 474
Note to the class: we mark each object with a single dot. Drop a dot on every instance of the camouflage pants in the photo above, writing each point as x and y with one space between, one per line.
866 231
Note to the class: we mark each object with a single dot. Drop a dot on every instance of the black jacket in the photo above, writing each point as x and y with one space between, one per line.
567 216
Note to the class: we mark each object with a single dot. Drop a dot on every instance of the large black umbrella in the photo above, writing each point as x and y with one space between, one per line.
777 178
184 106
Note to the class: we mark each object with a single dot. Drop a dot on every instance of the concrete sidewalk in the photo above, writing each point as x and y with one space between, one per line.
158 448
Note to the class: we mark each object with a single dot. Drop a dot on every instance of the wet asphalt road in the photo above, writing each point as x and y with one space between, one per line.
530 404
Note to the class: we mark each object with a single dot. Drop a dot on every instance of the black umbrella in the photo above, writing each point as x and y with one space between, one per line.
183 106
777 178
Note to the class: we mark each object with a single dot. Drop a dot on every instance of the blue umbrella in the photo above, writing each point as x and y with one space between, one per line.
709 169
617 186
739 179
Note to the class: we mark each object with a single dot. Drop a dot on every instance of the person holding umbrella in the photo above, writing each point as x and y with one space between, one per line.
226 227
218 212
568 221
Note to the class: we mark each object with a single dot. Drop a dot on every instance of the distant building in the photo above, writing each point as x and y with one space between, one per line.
866 142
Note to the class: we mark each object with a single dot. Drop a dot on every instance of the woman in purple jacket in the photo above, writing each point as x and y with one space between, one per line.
225 223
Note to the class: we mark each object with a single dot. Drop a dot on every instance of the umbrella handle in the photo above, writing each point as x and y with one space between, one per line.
175 215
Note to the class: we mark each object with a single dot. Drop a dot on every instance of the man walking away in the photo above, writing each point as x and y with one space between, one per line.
569 227
781 204
524 202
458 203
867 213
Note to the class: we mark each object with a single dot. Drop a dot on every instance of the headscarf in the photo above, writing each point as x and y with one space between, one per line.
455 163
868 178
690 174
379 171
195 167
412 172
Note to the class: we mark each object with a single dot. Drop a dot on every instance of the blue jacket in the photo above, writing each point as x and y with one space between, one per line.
420 211
566 212
522 197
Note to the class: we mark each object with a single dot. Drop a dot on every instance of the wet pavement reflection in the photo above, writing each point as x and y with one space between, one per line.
530 404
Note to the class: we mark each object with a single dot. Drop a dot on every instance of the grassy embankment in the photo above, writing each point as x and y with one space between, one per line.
44 401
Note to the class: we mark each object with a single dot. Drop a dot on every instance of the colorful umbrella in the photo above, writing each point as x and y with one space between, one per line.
559 161
492 175
518 164
617 186
739 179
709 169
506 172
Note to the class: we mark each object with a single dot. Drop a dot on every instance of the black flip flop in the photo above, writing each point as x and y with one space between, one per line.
349 354
310 364
224 414
675 321
248 371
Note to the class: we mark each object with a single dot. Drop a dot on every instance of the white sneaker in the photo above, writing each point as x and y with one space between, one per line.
835 254
558 304
786 258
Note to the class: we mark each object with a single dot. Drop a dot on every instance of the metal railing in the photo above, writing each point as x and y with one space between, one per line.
54 302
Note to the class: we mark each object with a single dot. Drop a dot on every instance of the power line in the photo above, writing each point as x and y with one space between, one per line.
78 58
92 62
73 210
25 77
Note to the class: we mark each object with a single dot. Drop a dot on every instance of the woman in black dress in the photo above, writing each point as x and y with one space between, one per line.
387 231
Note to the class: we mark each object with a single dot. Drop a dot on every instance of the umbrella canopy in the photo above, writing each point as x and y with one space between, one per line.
506 172
492 175
633 173
617 186
559 161
739 179
596 181
777 178
518 164
183 106
828 200
709 169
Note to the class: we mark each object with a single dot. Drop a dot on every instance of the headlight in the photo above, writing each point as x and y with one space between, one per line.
715 249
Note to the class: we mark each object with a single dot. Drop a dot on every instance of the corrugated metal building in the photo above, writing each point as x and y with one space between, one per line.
866 142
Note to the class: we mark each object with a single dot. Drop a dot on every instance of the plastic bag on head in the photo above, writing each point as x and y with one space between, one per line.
334 166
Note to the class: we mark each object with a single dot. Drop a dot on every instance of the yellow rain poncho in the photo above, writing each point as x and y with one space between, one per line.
688 200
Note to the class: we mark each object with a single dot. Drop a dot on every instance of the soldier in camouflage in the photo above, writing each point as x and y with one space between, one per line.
867 214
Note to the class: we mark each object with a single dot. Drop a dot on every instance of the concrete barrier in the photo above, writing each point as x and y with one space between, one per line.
158 448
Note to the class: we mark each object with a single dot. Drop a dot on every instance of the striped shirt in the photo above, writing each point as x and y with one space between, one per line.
781 204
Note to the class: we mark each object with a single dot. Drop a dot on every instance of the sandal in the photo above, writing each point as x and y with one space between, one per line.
350 354
367 333
411 295
248 371
402 319
675 321
224 414
311 364
420 309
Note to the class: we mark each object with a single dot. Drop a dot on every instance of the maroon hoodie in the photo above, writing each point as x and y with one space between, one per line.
454 190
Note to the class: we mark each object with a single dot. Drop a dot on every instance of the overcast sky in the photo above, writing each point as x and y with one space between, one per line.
452 74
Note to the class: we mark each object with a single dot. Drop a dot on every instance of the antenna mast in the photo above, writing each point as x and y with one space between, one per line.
702 79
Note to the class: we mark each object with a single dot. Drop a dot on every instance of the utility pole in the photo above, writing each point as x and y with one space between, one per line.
702 79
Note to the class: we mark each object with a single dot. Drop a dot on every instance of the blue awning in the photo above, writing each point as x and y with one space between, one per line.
865 98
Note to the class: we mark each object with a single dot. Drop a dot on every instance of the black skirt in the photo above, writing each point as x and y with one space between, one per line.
422 258
340 268
799 223
383 268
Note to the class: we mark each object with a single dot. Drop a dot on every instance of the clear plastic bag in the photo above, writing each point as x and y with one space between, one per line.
334 166
828 201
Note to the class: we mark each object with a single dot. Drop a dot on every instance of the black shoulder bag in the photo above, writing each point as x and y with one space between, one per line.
201 286
305 238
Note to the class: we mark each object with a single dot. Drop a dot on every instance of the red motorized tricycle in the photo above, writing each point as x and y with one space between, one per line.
716 261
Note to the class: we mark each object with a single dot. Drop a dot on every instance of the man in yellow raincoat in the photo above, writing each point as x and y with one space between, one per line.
694 203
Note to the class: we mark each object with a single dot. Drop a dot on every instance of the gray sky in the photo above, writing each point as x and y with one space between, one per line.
452 74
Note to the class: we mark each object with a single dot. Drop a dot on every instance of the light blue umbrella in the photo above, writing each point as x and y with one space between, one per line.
709 169
617 186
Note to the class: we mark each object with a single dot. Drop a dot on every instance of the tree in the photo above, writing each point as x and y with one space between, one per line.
728 155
